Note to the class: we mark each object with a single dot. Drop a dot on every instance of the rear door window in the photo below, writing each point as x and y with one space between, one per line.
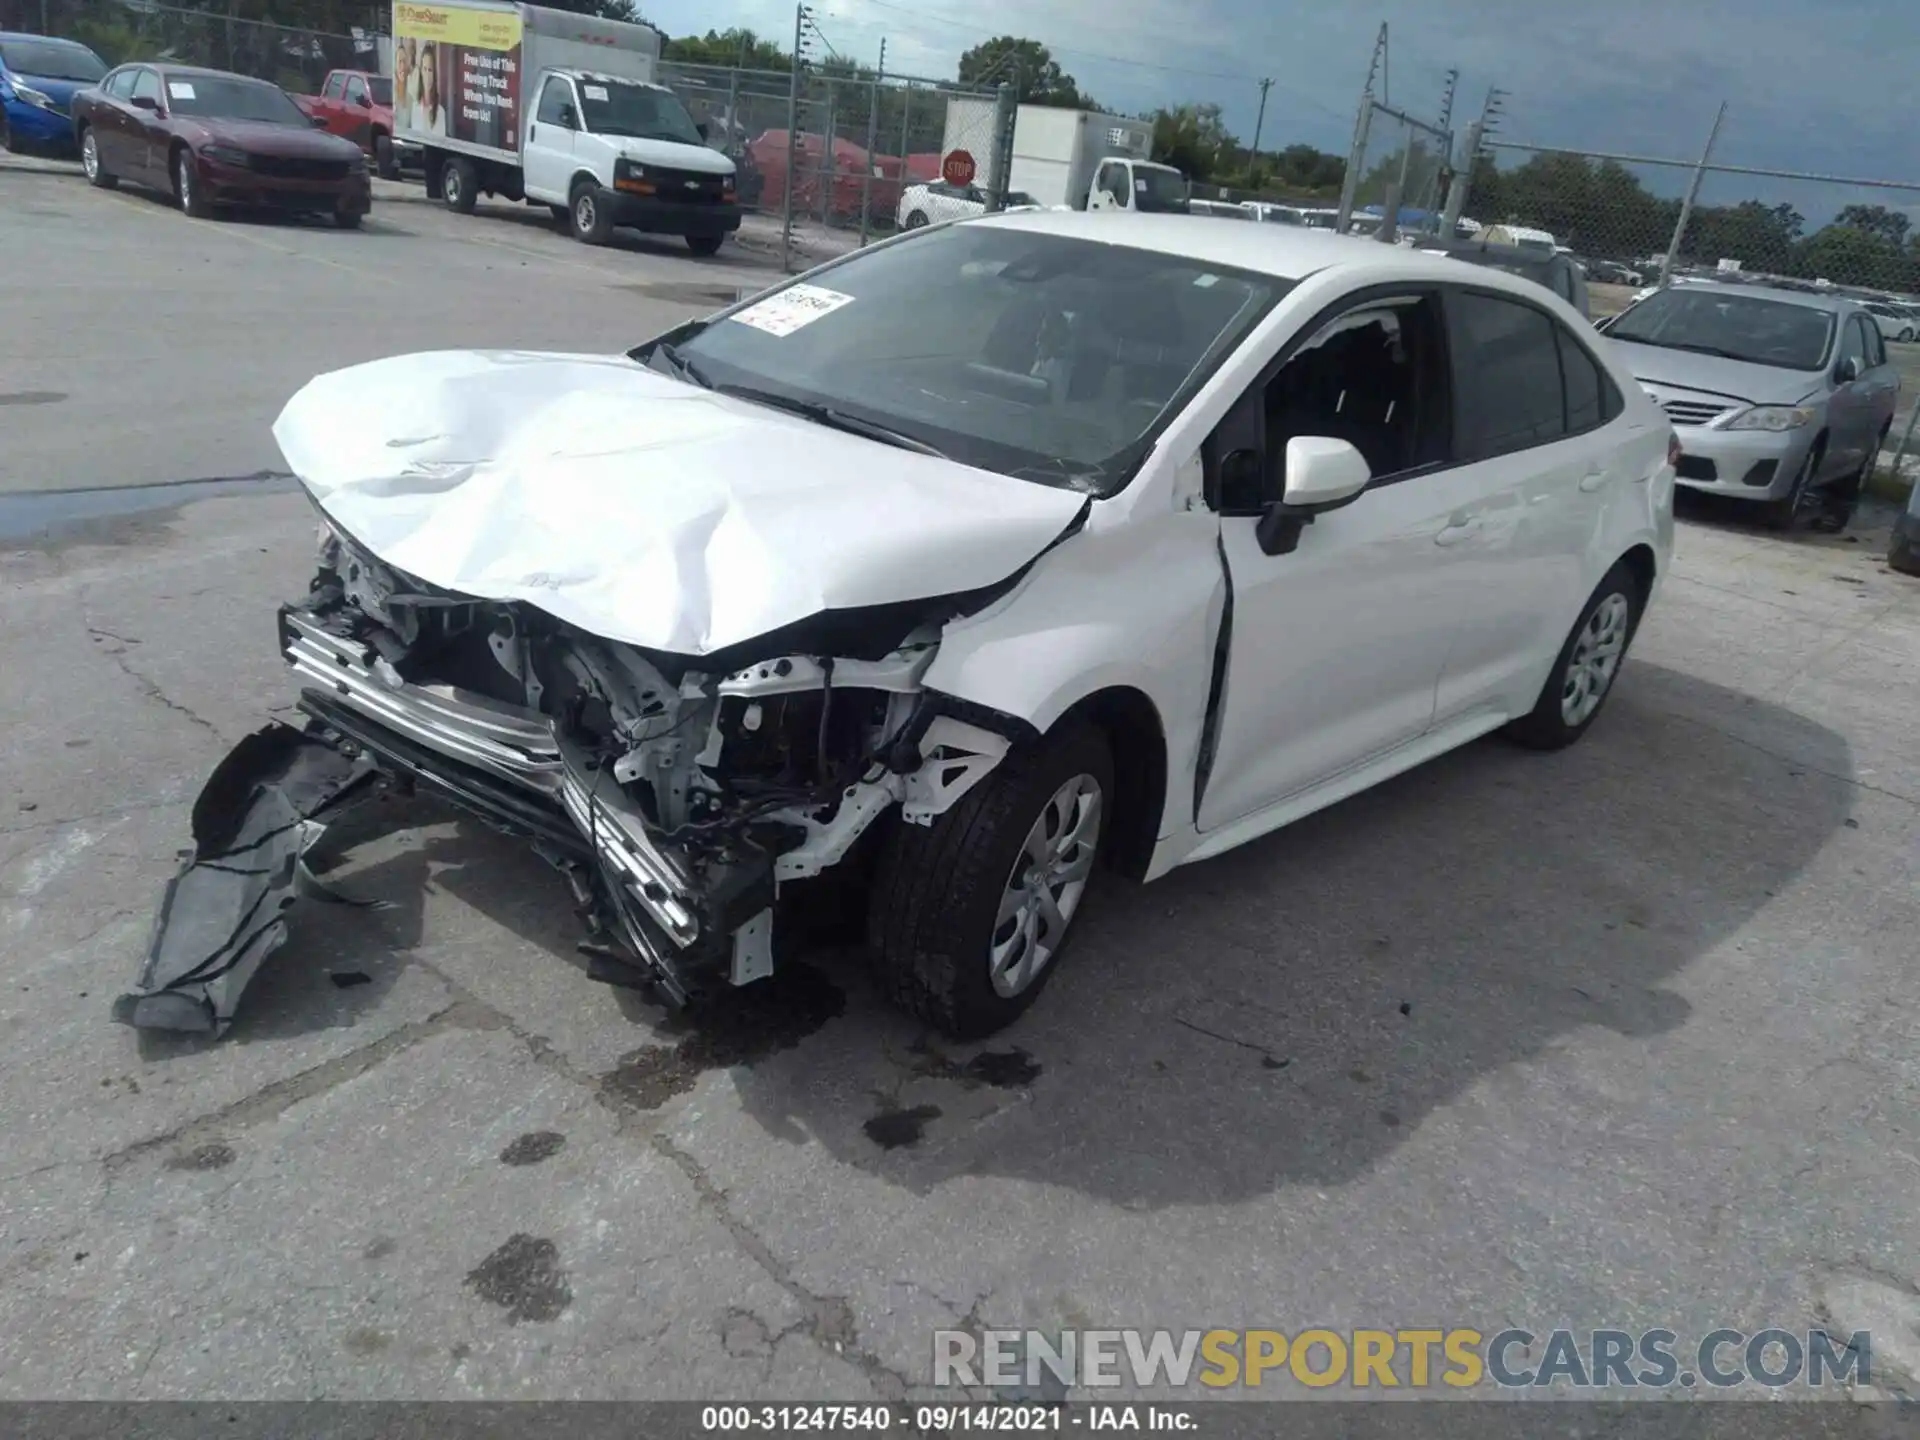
1507 383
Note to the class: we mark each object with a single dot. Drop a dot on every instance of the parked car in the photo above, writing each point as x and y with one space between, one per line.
211 139
947 571
1555 272
1220 209
1268 213
936 201
38 77
1609 272
1893 322
357 105
1903 552
1778 398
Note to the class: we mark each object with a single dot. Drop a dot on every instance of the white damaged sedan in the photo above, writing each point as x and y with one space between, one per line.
961 567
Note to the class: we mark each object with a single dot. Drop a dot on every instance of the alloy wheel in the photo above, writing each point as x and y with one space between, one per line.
584 212
1048 882
183 182
1595 659
90 156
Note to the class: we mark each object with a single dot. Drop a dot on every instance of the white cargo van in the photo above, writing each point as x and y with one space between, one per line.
556 109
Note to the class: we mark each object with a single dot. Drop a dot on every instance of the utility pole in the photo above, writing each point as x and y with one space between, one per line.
800 17
1693 193
873 126
1357 156
1446 101
1253 158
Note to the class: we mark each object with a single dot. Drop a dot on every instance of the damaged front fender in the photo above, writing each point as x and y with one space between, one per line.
225 911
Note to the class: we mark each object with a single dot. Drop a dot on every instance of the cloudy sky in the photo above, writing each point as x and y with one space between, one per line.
1827 86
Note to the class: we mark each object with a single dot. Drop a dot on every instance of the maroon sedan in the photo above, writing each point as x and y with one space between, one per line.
209 138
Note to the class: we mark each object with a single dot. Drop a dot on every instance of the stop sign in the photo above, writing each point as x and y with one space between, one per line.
957 168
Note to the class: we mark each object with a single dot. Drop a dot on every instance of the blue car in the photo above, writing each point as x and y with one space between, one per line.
38 77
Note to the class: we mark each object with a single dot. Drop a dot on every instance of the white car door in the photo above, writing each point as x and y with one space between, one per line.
1336 649
548 163
1532 414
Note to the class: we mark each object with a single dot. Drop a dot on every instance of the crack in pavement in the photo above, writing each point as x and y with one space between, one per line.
828 1319
148 687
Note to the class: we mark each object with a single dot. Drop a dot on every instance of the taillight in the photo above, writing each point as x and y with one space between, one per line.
1673 450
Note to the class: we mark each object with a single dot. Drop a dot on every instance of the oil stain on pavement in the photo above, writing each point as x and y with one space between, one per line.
524 1278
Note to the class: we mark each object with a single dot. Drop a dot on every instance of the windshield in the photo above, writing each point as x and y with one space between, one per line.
227 97
614 108
52 60
1158 189
382 89
1040 356
1739 327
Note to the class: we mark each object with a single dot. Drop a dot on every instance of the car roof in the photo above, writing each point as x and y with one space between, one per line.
168 67
1287 252
44 39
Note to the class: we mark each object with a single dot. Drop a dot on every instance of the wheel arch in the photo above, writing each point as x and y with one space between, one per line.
579 175
1130 721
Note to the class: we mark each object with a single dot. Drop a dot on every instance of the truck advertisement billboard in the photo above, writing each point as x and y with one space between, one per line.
456 73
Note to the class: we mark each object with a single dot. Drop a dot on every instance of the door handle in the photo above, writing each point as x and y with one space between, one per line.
1593 480
1454 534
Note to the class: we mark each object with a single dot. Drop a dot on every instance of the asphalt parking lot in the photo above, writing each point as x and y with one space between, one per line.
1623 1037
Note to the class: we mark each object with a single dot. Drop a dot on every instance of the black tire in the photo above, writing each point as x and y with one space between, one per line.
1781 514
561 214
917 220
935 905
96 169
186 190
347 219
459 185
1902 555
705 244
385 164
587 214
1548 726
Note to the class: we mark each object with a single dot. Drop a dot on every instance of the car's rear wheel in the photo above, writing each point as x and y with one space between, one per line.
917 220
704 244
592 225
459 185
186 188
1906 335
347 219
968 916
91 163
1781 514
1902 555
1587 665
385 165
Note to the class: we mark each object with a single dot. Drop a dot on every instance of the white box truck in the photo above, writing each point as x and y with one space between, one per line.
555 109
1069 157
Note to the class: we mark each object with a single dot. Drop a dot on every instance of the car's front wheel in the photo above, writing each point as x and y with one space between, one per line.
705 244
1782 513
186 187
592 224
385 164
90 161
1906 335
1587 665
969 915
917 220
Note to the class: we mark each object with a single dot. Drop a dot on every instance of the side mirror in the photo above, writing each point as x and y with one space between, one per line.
568 119
145 102
1847 371
319 122
1322 474
366 102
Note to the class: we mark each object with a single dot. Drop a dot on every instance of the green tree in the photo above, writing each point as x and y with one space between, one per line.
1029 66
1877 220
1194 140
736 48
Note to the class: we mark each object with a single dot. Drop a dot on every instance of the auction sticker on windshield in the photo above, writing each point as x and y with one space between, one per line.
595 92
793 307
180 89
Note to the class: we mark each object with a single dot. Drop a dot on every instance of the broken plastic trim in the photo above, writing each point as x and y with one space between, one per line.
224 912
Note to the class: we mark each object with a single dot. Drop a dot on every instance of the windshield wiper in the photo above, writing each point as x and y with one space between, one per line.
827 415
1682 345
680 367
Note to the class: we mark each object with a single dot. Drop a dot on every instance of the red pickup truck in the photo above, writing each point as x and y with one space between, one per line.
358 105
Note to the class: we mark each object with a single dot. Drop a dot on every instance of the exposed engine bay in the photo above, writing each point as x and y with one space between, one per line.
676 795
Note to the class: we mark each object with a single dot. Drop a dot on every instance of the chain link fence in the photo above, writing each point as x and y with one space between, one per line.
835 151
294 58
1396 177
1638 220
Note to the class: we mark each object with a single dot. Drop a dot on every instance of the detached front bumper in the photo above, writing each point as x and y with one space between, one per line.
1745 464
688 924
33 127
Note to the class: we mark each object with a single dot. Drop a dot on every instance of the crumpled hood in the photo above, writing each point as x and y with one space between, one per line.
639 508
